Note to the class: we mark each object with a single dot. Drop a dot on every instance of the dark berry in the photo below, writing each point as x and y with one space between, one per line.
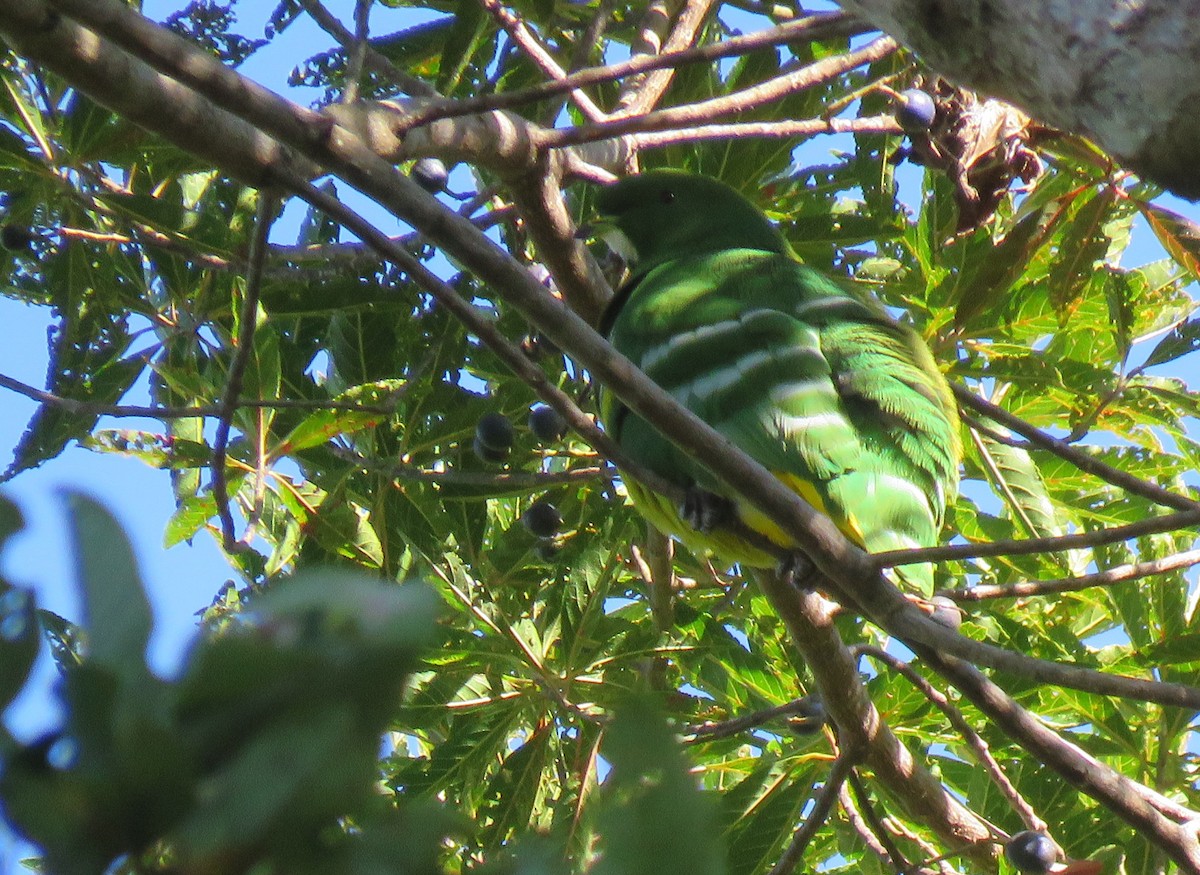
810 716
542 519
917 110
495 432
486 453
1031 851
16 239
431 174
547 424
946 611
547 549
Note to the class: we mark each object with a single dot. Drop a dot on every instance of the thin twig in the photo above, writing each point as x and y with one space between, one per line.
692 114
1152 526
898 860
529 44
973 739
1119 574
375 60
92 408
532 480
358 54
816 26
822 805
882 124
736 725
1080 459
267 203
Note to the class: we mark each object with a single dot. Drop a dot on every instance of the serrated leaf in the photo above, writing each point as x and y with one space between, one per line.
1178 235
1000 268
1080 248
1182 340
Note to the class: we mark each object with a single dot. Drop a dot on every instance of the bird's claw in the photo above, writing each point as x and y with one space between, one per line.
704 510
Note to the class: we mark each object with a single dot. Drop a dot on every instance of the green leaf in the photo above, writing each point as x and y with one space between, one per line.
462 42
1080 248
653 819
18 640
116 610
1183 339
1178 235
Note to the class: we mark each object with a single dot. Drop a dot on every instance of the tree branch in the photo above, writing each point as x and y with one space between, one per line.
822 805
860 727
1080 459
974 740
243 347
816 26
1166 523
1119 574
740 101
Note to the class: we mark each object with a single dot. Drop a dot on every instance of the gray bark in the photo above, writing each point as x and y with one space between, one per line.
1126 73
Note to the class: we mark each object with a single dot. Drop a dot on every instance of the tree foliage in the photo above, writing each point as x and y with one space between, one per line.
590 701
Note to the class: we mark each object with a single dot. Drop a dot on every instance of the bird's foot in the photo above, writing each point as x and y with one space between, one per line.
704 510
798 571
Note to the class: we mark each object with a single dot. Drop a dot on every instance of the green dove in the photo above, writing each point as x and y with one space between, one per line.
817 383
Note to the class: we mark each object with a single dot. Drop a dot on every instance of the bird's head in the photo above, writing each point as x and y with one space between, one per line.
666 214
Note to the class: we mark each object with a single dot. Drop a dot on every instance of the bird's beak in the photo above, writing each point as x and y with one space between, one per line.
618 241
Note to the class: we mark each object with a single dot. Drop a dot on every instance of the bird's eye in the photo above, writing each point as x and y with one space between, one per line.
666 196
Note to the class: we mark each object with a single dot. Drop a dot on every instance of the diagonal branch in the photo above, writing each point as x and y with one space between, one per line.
816 26
536 52
860 727
973 739
1080 459
1154 525
244 347
739 101
822 805
644 90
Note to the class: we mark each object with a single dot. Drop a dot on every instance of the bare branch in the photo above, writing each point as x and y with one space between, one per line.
532 480
358 54
816 26
974 740
860 727
1138 805
372 58
73 405
740 101
523 37
1119 574
863 799
244 346
1080 459
737 725
1166 523
883 124
642 91
822 806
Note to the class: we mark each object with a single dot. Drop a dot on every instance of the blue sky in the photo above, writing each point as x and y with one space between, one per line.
184 579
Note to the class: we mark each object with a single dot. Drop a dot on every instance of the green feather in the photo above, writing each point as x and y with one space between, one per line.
821 386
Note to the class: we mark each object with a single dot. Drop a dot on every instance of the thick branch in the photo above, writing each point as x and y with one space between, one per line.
809 620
